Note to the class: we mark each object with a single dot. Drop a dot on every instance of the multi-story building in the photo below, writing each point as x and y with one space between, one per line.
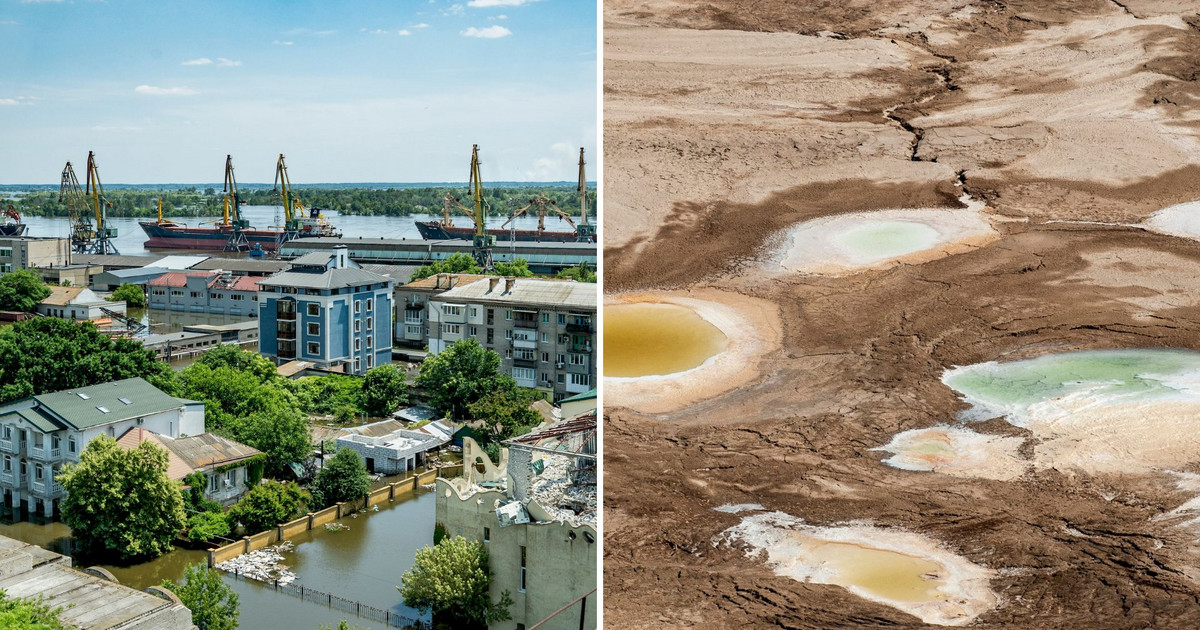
213 291
27 252
544 330
412 303
224 463
327 310
539 527
40 433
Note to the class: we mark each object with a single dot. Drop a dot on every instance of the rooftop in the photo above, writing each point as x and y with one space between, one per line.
62 296
180 262
178 279
242 265
327 279
137 272
113 261
86 407
537 291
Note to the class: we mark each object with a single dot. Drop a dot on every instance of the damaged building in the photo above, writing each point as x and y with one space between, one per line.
536 513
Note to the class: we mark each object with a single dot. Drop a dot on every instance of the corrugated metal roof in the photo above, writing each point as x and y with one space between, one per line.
236 264
532 291
115 261
62 296
82 412
180 262
329 279
137 272
207 449
176 467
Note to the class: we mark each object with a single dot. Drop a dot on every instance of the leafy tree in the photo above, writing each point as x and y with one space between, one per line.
27 614
193 495
506 412
518 268
455 263
452 579
343 478
281 433
344 414
121 502
132 294
240 359
213 603
269 504
21 290
48 354
327 394
461 375
384 388
578 274
205 526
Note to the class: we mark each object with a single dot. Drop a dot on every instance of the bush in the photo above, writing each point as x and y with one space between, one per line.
269 504
28 614
452 579
213 603
343 478
384 388
206 526
22 290
132 294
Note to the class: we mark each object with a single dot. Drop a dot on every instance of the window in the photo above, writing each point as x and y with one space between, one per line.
412 330
369 340
564 340
314 347
524 374
525 355
522 569
7 432
490 336
545 318
561 379
176 293
448 309
125 401
357 307
314 309
545 337
55 443
357 365
508 334
561 359
545 357
159 292
71 444
370 361
236 297
370 322
508 315
578 359
474 312
314 328
37 440
487 534
474 332
37 472
562 319
212 483
7 464
214 296
230 478
508 353
370 304
580 379
358 325
545 378
195 294
357 345
451 329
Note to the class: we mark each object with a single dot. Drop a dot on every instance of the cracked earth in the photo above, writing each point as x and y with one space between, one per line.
728 122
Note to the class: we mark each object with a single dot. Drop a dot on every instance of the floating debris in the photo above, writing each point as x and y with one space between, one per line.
336 527
263 565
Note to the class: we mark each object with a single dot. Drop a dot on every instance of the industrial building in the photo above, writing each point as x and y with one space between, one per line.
28 252
328 310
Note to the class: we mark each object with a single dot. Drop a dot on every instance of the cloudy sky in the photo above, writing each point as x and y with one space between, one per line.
364 91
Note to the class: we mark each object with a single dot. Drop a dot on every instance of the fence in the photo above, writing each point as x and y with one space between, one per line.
390 492
358 609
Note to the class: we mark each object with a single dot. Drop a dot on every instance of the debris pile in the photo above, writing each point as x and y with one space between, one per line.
263 565
565 493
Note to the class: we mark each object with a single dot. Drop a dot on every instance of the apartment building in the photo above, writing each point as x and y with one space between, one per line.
214 291
544 330
327 310
40 433
28 252
412 302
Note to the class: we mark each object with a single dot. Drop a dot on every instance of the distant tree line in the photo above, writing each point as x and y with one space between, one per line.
209 202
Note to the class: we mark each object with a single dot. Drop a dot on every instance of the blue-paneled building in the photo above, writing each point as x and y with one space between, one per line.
328 310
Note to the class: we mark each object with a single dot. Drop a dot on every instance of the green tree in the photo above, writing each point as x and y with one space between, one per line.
205 526
452 579
132 294
48 354
384 388
578 274
461 375
121 502
21 290
240 359
507 413
455 263
26 614
344 414
213 603
281 433
518 268
343 478
328 393
269 504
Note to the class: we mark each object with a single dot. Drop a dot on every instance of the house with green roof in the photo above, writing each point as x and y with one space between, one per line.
40 433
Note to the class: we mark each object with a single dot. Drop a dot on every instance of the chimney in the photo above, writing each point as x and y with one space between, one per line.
509 281
441 279
340 257
492 282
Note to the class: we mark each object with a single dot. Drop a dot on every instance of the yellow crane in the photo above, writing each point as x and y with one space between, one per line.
292 207
483 242
100 205
70 192
545 206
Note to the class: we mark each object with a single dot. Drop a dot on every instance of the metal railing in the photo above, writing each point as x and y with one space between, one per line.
356 608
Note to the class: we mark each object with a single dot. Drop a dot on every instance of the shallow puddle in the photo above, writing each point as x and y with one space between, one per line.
650 339
900 569
956 451
851 242
1178 220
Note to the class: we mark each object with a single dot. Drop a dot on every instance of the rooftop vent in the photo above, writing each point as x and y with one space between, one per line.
83 395
102 409
125 401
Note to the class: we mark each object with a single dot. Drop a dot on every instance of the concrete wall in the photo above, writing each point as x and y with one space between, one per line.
560 563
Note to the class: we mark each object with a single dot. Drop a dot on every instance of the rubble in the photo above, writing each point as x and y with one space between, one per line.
263 565
557 491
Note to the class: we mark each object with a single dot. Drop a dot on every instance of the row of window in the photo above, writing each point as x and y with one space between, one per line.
39 439
528 316
237 297
40 471
529 374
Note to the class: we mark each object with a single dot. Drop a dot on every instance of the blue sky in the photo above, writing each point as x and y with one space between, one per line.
365 91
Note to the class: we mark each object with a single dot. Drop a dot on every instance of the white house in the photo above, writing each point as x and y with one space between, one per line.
77 303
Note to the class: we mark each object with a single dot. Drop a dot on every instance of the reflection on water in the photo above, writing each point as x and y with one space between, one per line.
646 339
880 572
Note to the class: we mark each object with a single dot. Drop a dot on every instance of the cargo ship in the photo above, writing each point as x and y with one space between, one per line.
12 225
541 206
231 232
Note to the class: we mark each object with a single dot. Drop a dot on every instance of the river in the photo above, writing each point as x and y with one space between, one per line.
363 563
130 235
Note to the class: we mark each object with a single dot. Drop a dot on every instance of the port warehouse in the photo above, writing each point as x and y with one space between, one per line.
542 257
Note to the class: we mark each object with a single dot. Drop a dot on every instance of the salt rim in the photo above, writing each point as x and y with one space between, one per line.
809 246
970 454
965 583
751 327
1181 220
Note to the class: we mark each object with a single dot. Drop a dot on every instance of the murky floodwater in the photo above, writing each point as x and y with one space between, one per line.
646 339
363 563
880 572
130 235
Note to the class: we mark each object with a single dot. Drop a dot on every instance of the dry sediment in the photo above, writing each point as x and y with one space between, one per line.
1050 111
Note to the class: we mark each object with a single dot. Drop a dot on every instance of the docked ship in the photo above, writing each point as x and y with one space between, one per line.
12 225
231 232
541 206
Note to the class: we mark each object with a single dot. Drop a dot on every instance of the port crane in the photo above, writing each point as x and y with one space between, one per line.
237 240
295 224
12 225
545 206
87 237
585 231
483 242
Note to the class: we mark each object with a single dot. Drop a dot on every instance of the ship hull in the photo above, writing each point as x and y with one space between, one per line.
12 229
173 236
434 231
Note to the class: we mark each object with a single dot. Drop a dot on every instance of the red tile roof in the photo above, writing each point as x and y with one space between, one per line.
176 279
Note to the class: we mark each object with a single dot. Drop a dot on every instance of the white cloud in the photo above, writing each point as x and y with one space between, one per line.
377 31
561 165
227 63
163 91
491 32
481 4
403 32
9 22
498 17
279 43
8 101
454 9
202 61
421 25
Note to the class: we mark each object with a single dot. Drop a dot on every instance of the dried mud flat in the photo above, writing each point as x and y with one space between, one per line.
729 122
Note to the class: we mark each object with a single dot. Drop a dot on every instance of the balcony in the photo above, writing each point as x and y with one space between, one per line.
579 327
530 363
6 479
47 488
287 330
8 446
286 350
45 453
525 323
286 310
581 347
